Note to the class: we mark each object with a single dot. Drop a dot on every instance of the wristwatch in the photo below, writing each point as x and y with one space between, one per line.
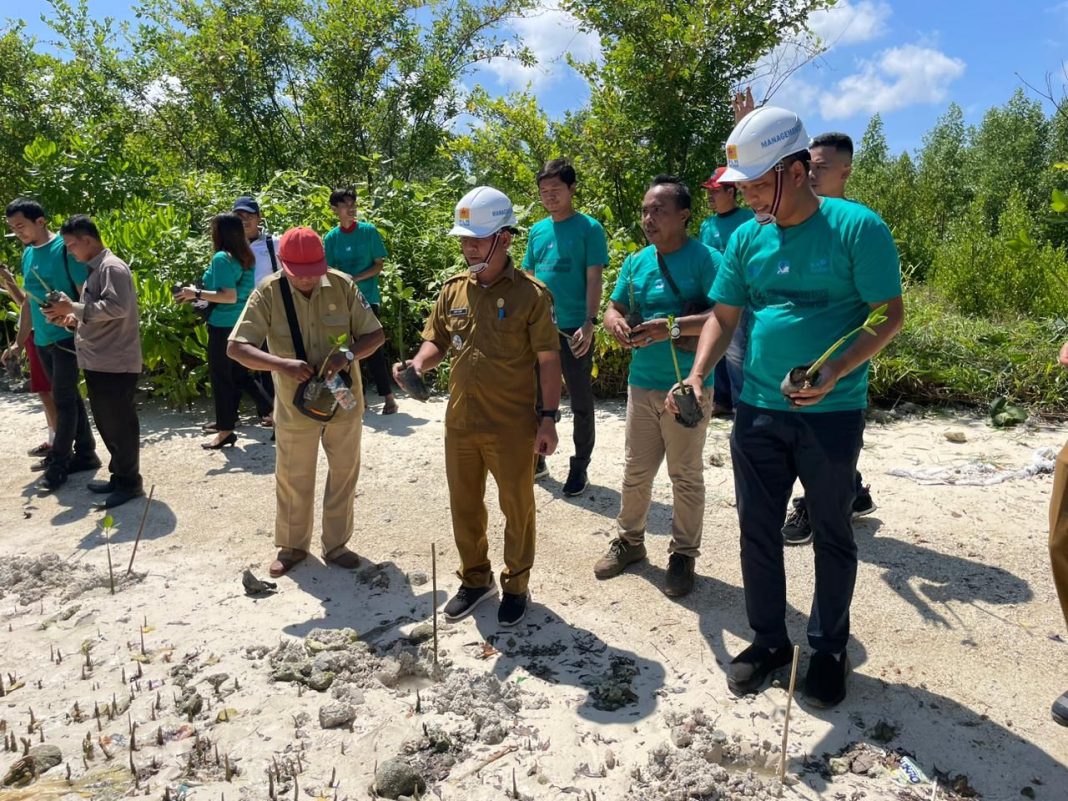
552 413
676 331
349 355
197 293
593 320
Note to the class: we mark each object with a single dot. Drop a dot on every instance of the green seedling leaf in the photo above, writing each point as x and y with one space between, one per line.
876 317
674 355
1060 201
108 522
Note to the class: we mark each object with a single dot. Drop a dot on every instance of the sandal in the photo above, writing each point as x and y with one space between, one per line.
286 562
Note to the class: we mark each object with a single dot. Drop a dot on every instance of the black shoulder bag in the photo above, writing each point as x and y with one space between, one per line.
314 398
270 252
689 307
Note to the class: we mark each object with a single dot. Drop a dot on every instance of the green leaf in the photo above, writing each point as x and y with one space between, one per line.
108 522
1060 201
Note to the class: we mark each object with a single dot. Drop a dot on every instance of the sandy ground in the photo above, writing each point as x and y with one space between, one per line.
959 647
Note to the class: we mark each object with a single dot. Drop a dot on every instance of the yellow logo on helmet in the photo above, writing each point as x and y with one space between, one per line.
464 213
732 154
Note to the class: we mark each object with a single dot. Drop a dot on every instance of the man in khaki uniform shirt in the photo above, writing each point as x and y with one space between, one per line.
327 304
497 323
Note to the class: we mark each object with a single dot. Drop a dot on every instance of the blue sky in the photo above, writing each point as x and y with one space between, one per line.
906 59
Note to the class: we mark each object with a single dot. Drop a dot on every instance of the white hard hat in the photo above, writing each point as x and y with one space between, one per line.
763 138
482 212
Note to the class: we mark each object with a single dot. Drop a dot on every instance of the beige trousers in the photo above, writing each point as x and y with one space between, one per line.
297 452
652 434
1058 529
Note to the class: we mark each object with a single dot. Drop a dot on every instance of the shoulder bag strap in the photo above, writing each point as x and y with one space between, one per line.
73 286
270 252
667 276
291 316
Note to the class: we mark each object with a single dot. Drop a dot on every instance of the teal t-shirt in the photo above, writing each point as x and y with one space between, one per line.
806 286
559 253
693 268
59 271
353 252
716 230
226 272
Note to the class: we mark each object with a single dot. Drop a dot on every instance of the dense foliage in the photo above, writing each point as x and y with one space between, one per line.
156 125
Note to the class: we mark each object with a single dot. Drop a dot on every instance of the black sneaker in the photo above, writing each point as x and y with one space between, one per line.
620 554
577 480
679 575
83 463
863 505
825 682
749 670
54 478
466 599
541 470
1060 710
513 609
41 464
117 498
102 487
797 530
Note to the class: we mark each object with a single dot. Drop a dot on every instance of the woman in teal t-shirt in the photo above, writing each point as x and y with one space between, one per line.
228 282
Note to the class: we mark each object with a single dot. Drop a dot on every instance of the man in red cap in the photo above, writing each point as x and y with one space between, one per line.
318 305
715 232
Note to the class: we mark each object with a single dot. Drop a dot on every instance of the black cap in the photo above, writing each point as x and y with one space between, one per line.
247 203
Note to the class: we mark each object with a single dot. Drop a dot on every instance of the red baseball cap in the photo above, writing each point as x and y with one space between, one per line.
714 182
302 254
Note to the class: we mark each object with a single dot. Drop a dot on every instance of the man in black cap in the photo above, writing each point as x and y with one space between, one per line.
264 249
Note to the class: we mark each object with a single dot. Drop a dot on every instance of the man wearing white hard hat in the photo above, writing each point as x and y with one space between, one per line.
496 323
810 270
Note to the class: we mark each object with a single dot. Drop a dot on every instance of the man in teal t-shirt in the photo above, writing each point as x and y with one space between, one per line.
356 248
46 266
809 269
716 233
673 276
567 251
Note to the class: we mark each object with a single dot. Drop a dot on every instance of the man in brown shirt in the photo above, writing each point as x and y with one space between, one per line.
498 323
108 344
326 304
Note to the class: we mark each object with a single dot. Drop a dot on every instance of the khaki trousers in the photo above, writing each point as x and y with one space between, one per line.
297 452
652 434
469 455
1058 529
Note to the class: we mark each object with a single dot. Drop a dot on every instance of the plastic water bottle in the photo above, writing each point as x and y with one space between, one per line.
343 394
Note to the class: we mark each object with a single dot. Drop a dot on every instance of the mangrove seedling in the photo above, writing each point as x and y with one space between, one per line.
689 414
807 376
108 525
338 344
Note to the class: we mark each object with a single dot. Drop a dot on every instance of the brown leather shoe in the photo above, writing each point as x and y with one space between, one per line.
344 558
287 559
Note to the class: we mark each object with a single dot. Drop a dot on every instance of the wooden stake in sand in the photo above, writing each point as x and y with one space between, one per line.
786 723
434 595
141 528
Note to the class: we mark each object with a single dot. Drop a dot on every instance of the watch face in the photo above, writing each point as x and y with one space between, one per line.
675 331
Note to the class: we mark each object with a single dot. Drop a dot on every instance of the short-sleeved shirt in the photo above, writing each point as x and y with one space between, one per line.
226 272
264 264
559 253
806 286
335 307
354 252
493 335
693 267
50 265
716 230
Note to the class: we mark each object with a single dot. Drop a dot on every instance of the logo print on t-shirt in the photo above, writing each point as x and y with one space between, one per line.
783 268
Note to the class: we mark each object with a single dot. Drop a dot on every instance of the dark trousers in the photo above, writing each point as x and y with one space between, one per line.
378 364
770 450
228 380
721 385
578 375
111 397
73 431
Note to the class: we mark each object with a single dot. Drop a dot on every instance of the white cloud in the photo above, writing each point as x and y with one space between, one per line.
848 23
551 34
897 77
